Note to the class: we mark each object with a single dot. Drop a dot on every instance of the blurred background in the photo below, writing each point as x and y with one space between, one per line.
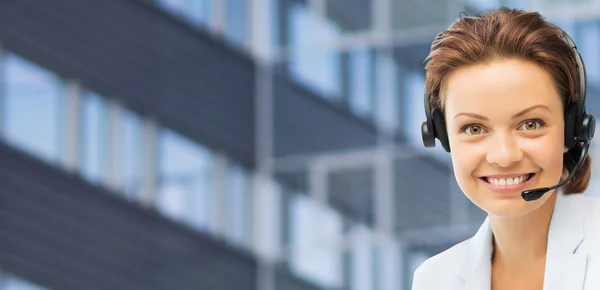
231 144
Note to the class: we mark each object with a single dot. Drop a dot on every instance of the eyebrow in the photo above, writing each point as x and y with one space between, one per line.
517 115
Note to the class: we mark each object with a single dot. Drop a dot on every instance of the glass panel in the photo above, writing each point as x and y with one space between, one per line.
568 26
184 179
132 150
588 42
32 109
354 17
93 137
197 11
315 235
14 283
386 93
361 259
414 83
361 81
237 20
237 199
519 4
482 5
310 63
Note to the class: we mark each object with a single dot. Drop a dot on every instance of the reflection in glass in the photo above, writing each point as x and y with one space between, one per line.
588 42
32 108
93 137
361 259
132 150
184 179
361 81
315 233
236 201
237 20
197 11
13 283
311 63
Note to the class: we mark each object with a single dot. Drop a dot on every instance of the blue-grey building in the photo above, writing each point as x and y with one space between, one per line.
229 144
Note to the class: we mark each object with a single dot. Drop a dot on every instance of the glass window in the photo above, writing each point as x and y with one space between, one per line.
93 137
386 95
183 190
519 4
482 5
237 20
237 205
131 158
361 259
315 236
588 43
197 11
311 64
32 109
414 83
14 283
361 81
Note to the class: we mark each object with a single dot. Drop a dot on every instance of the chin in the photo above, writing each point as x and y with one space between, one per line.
506 203
512 208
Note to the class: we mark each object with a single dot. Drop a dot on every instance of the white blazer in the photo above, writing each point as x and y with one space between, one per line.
572 260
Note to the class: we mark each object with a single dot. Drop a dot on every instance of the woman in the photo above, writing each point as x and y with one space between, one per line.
507 94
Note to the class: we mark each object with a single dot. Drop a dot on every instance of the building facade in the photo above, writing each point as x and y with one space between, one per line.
229 144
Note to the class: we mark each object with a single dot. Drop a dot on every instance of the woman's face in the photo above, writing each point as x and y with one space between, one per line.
506 132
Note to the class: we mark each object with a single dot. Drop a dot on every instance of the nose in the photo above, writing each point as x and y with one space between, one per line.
504 150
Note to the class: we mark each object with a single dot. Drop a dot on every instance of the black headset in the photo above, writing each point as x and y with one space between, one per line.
579 126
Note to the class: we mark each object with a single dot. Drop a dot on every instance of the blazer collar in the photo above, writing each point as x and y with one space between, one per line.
476 271
565 267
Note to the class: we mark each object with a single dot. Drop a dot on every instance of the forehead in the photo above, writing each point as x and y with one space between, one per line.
499 87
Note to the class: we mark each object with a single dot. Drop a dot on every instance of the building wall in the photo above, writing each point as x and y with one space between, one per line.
64 233
135 52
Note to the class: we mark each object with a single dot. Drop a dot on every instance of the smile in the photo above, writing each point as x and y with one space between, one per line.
508 181
508 184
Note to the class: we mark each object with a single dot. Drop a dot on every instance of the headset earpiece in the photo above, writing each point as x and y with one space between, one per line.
570 125
428 128
579 126
440 128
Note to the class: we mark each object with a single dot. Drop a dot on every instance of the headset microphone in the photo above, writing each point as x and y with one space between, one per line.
534 194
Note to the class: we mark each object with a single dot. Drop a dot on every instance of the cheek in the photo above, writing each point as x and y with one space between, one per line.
549 158
465 160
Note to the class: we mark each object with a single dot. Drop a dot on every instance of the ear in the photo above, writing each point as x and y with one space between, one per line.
566 149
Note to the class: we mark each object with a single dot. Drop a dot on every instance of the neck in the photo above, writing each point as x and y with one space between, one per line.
521 242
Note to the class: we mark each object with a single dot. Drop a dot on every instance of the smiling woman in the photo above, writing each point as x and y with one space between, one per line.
505 95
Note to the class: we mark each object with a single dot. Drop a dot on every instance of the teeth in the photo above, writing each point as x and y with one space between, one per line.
507 181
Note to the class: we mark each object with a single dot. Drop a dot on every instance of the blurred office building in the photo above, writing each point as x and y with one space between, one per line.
230 144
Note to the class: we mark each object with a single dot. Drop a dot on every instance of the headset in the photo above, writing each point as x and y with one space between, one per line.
579 126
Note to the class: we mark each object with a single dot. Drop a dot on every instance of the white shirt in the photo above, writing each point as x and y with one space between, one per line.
572 259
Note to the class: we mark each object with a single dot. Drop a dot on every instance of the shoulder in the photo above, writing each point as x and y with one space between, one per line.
589 206
440 270
592 219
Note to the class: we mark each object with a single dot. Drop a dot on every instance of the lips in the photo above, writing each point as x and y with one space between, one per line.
508 180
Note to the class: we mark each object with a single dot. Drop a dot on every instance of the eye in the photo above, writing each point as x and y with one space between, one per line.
472 129
532 125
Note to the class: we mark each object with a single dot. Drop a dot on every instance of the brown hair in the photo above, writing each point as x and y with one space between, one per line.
508 33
